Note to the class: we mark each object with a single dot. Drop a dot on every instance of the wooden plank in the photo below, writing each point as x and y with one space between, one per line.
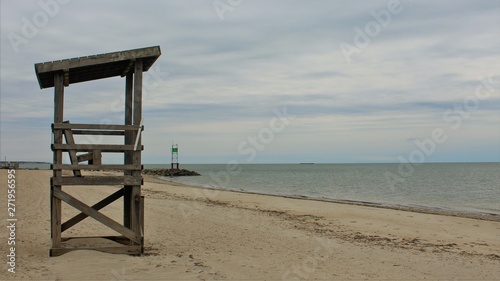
126 250
127 211
82 207
58 117
104 167
97 156
128 140
97 206
96 66
97 59
107 127
135 192
118 239
55 218
57 157
85 157
72 153
137 92
96 180
68 135
58 98
55 203
66 77
128 68
129 87
99 133
91 147
135 224
141 216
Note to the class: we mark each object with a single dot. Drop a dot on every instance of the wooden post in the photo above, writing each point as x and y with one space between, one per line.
140 214
137 117
58 136
129 138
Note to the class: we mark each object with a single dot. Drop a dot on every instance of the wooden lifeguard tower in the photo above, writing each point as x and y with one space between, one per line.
60 74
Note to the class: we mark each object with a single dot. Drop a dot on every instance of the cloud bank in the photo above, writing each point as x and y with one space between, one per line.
416 66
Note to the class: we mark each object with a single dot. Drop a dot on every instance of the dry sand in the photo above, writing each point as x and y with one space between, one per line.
200 234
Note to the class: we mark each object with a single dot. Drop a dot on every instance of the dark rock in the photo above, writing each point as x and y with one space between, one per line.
169 172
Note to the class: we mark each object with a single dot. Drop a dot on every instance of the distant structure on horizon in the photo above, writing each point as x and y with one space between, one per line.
9 165
175 157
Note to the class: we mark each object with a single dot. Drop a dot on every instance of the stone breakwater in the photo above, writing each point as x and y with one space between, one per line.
169 172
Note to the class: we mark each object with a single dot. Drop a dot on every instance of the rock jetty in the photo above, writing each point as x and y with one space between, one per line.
169 172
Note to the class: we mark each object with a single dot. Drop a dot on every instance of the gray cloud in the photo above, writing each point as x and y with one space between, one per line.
227 76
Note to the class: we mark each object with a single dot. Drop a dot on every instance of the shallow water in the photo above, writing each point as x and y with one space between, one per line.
463 187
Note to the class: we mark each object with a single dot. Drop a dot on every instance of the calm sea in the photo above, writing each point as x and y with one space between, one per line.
464 187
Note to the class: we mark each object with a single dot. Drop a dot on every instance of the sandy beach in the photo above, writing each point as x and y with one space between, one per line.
200 234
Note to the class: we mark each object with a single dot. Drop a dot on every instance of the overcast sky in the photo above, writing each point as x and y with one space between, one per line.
278 81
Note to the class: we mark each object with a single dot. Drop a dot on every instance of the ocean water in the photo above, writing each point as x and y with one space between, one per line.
462 187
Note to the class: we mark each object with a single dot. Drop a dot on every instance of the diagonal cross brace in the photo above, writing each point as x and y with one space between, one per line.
139 132
84 208
97 206
68 135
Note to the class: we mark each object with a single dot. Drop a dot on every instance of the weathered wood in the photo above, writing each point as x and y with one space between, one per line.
98 133
91 147
97 157
96 60
138 137
66 77
128 69
118 239
106 127
58 98
103 167
128 140
129 92
55 203
137 92
58 117
55 218
99 205
127 250
84 157
141 216
135 224
132 64
95 67
96 180
84 208
135 193
68 135
127 212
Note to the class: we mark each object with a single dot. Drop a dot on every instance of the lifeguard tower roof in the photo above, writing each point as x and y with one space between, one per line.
96 66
